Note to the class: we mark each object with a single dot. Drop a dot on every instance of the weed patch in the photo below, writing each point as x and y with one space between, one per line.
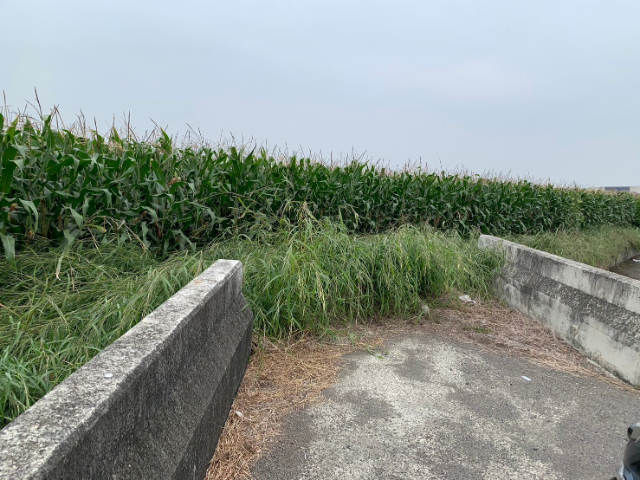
61 306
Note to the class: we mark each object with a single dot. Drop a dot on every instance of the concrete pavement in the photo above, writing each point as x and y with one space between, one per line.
426 407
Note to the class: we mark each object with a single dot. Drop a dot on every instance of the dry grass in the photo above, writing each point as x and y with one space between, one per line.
285 377
499 328
281 378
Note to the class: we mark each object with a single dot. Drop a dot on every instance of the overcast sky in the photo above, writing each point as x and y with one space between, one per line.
548 89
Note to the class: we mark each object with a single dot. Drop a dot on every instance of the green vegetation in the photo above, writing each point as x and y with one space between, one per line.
61 186
58 314
599 247
106 229
470 328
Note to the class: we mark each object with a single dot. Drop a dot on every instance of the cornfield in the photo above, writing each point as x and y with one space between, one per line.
61 186
296 224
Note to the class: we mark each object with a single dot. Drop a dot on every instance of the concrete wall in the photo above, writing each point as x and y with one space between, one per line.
150 406
596 311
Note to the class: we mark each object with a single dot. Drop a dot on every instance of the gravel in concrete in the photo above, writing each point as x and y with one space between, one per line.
430 408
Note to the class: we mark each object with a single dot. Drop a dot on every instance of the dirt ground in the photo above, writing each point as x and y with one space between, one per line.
285 378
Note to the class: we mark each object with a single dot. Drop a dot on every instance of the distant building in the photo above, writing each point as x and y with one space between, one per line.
622 189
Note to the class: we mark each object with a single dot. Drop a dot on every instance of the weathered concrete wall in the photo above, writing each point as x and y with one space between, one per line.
596 311
151 405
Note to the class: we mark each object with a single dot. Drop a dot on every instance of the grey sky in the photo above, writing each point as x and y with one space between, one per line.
539 88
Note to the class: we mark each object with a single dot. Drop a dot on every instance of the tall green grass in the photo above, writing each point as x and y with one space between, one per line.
598 247
57 315
61 186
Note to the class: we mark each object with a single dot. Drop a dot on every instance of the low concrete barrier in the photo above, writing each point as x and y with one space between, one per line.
596 311
151 405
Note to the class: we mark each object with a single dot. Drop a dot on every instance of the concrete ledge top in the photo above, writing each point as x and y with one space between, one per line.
58 421
611 287
491 241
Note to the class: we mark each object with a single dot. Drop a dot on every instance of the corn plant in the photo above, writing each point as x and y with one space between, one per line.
61 186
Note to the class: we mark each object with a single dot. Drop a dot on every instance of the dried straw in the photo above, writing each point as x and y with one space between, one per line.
281 378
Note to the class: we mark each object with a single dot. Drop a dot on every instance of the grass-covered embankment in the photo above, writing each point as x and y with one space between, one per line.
598 247
57 314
